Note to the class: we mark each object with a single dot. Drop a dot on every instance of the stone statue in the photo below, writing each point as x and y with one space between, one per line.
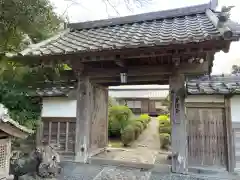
42 163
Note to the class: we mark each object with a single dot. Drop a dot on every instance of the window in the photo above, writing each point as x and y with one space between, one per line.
134 104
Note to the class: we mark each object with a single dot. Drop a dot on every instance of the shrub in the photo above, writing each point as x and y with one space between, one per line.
164 124
128 135
118 119
165 130
163 117
165 140
138 127
144 123
145 117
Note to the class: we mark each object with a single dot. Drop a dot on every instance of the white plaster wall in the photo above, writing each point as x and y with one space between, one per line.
205 98
235 108
59 107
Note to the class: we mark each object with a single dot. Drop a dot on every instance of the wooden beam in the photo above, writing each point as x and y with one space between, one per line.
39 132
178 119
184 68
67 136
129 79
49 132
230 146
166 82
82 120
120 63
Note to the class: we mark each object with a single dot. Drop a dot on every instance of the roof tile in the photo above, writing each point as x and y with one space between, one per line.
157 28
229 84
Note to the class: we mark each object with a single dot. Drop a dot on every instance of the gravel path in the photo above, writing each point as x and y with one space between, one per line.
149 139
75 171
145 148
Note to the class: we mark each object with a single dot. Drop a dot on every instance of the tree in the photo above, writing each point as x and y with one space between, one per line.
23 22
235 69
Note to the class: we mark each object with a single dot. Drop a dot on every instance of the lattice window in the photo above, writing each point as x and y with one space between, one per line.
5 146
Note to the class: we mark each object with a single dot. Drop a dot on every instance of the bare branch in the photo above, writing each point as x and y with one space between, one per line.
128 4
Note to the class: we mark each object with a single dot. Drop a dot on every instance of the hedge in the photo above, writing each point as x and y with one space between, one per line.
128 135
165 140
136 125
164 131
118 117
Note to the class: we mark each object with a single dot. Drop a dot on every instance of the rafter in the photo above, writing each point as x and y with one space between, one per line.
130 79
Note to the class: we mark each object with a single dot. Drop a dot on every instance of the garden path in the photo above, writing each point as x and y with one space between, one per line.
145 148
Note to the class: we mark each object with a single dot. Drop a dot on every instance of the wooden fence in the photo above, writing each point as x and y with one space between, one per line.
206 135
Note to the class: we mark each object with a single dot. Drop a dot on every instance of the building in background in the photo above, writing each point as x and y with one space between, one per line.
142 99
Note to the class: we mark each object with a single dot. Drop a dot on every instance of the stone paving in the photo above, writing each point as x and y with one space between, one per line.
143 150
74 171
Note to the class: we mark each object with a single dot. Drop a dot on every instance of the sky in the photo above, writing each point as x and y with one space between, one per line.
85 10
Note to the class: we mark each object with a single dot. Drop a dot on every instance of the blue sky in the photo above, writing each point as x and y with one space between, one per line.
84 10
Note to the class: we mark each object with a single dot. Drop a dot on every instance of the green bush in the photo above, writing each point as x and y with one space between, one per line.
119 117
138 127
145 117
165 130
144 123
163 117
164 124
165 140
128 135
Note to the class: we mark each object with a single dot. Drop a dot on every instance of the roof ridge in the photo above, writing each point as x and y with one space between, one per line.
42 43
176 12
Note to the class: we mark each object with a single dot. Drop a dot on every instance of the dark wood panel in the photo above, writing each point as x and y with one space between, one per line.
206 137
152 107
144 106
60 132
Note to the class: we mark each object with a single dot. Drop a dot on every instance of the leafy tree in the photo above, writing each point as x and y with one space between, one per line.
235 69
23 22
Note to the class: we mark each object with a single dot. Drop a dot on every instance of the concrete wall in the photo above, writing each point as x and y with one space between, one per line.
235 108
235 115
59 107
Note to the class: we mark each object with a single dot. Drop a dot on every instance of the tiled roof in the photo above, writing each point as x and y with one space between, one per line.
5 118
54 91
228 84
178 26
138 93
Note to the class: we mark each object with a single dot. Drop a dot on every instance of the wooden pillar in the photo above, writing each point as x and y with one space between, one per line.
39 133
82 120
229 143
178 119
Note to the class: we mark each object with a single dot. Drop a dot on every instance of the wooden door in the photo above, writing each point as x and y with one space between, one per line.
152 107
206 137
144 106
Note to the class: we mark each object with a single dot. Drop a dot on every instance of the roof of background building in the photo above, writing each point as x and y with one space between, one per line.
176 26
139 93
223 84
6 119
